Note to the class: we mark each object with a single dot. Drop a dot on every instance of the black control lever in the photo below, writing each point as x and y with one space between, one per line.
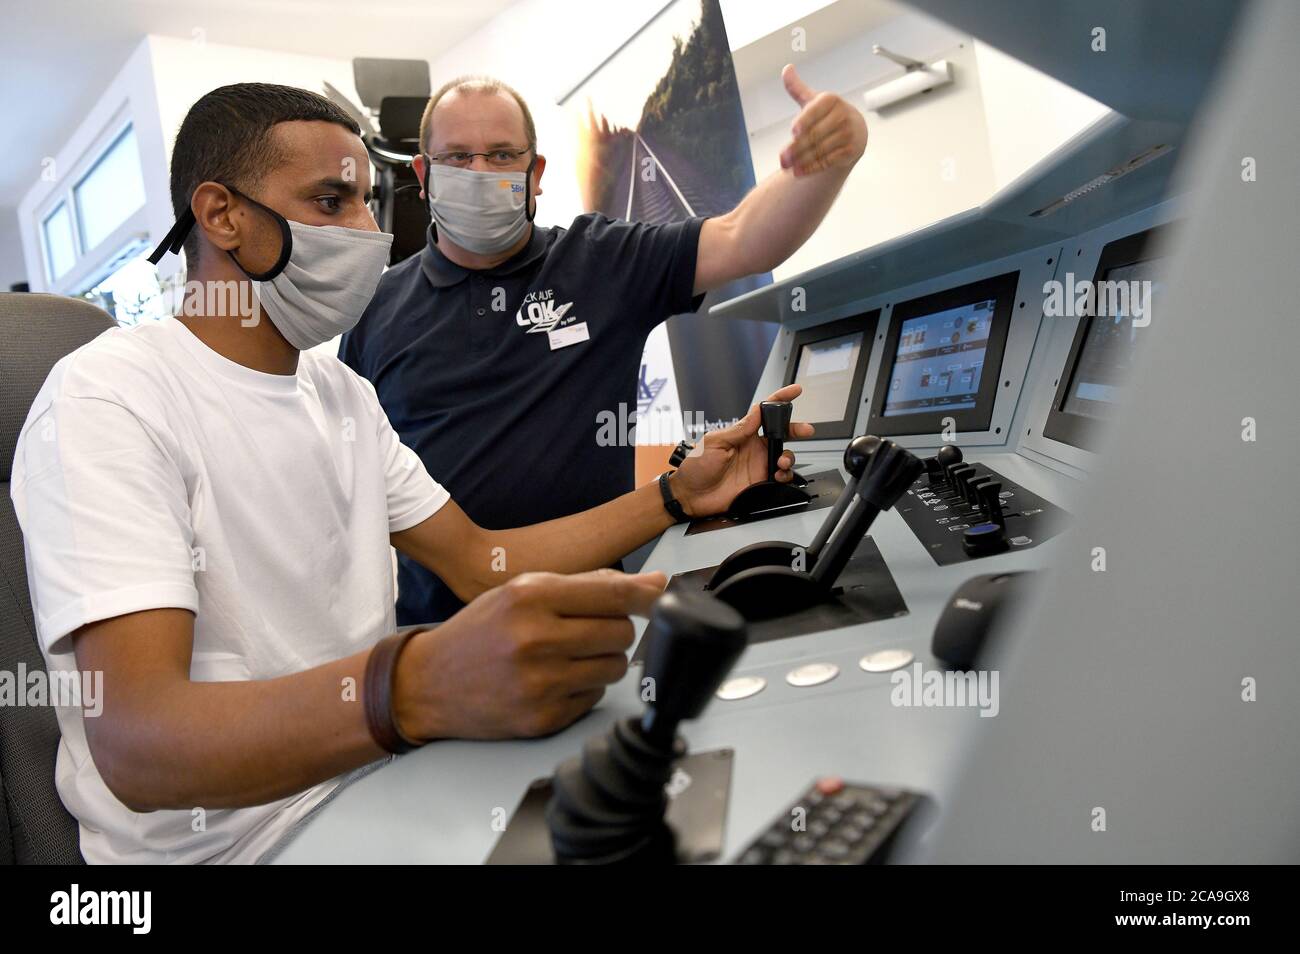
780 553
776 416
764 592
771 494
892 471
607 806
990 502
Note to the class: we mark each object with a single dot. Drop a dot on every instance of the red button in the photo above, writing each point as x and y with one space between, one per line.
830 785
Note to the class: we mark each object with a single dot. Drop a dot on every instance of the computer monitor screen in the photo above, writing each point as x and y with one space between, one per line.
825 369
1124 304
830 362
1119 311
940 359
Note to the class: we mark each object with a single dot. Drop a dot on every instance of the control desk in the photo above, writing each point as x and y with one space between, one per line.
993 359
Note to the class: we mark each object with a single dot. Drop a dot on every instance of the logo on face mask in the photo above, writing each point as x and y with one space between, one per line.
539 313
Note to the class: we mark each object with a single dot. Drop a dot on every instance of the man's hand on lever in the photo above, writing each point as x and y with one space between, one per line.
525 659
727 461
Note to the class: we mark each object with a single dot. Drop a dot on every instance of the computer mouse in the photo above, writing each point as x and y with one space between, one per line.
971 614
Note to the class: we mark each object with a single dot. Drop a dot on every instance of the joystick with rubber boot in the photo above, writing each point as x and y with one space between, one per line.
772 494
608 805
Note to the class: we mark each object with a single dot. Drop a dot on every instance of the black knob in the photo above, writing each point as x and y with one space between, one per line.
859 453
937 465
694 640
984 539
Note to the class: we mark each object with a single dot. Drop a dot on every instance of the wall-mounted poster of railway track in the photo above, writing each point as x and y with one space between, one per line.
662 138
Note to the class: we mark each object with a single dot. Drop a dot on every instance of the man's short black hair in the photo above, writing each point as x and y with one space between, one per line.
226 137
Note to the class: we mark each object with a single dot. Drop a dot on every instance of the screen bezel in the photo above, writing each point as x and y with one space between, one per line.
1001 288
1080 430
864 324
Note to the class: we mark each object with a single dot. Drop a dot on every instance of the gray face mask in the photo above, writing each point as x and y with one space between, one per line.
482 212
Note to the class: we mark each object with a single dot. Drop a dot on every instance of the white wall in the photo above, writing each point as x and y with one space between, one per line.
926 160
1028 113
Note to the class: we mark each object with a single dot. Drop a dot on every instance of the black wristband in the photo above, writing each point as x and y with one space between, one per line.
670 502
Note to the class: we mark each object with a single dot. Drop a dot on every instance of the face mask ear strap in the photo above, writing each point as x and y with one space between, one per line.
174 240
428 196
529 212
286 241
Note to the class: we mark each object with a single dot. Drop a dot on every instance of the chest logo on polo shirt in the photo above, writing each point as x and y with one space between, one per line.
541 313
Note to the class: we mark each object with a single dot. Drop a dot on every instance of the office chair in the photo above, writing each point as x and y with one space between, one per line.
35 332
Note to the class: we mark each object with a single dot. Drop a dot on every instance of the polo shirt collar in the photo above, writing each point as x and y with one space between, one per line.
442 272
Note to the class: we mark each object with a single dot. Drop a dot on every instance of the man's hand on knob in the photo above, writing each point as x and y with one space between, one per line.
727 461
526 658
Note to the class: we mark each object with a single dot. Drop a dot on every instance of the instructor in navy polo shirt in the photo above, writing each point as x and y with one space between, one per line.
494 350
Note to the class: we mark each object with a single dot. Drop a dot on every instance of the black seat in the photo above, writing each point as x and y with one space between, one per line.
36 331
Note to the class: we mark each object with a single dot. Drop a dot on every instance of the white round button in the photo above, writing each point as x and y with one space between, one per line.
742 687
813 674
886 659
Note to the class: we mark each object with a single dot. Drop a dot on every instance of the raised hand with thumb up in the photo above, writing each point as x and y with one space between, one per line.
828 133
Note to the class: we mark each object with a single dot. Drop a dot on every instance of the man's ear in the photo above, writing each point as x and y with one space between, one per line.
417 164
539 166
211 207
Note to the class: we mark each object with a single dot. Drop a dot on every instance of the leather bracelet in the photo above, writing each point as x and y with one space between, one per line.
671 503
377 694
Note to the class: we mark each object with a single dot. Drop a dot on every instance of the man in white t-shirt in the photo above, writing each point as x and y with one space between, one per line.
208 508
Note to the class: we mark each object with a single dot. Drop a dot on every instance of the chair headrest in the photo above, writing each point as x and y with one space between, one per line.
36 331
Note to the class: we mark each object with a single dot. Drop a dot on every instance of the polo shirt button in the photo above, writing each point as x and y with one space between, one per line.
482 311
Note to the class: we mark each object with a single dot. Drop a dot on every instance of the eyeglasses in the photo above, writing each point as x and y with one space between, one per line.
497 158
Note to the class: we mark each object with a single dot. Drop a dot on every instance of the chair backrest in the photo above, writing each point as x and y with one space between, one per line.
35 828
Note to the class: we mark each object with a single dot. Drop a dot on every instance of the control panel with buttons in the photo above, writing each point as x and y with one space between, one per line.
964 511
837 823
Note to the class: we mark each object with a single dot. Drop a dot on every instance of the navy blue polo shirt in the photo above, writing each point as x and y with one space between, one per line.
497 378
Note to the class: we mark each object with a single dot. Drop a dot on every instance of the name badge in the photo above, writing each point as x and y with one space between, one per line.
572 335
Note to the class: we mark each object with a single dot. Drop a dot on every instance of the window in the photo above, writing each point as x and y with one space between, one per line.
91 222
60 243
112 189
130 291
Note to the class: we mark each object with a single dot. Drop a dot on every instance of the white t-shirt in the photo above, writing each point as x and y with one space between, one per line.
153 472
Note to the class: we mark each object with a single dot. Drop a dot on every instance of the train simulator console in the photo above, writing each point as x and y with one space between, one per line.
980 615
